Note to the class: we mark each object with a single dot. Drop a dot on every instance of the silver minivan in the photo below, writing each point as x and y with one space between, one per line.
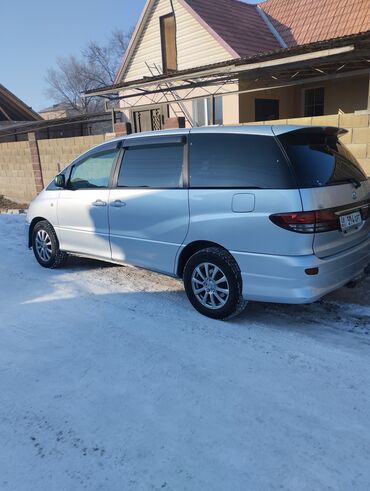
265 213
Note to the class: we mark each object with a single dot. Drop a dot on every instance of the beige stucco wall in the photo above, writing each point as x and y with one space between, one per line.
289 102
346 94
195 45
230 105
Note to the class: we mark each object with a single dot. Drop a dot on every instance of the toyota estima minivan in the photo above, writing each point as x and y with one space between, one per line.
265 213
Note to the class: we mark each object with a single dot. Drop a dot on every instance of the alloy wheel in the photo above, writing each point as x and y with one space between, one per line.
43 245
210 286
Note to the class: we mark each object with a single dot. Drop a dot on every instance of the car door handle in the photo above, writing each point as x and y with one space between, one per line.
118 203
99 202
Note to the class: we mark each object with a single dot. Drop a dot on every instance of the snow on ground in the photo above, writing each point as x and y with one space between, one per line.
109 380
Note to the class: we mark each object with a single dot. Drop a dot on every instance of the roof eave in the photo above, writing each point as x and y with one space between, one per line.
133 41
283 56
19 103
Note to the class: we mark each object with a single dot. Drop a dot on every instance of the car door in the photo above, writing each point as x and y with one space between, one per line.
148 209
82 208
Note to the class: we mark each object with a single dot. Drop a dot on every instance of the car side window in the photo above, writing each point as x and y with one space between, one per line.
237 161
152 166
93 172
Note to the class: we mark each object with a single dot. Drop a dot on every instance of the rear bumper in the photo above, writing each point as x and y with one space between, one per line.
282 279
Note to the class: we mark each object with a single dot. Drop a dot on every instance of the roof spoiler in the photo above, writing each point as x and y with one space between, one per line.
328 130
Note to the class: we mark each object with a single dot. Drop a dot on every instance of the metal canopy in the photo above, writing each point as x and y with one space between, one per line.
315 63
256 80
328 58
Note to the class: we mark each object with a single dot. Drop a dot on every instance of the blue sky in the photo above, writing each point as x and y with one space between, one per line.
35 33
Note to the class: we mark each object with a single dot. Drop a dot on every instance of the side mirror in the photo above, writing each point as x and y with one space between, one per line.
60 181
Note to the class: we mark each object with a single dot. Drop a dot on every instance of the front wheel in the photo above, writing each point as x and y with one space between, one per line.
45 246
213 283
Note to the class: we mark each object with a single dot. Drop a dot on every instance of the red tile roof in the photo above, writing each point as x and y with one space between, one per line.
307 21
298 22
238 24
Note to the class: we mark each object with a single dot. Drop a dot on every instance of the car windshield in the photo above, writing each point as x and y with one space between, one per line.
320 159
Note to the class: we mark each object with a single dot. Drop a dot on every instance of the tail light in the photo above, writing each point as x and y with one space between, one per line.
365 211
307 222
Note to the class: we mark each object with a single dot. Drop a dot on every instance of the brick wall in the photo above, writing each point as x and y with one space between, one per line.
357 139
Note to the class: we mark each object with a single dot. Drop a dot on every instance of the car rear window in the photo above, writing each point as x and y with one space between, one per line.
320 159
238 161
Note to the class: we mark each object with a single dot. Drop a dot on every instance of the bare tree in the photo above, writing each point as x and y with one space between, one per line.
96 67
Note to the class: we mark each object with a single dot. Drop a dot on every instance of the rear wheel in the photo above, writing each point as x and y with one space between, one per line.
45 246
213 283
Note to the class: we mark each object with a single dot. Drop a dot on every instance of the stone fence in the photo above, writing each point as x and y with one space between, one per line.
25 167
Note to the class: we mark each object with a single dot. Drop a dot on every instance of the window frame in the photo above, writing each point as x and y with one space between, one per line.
182 139
257 100
164 45
273 137
307 89
209 113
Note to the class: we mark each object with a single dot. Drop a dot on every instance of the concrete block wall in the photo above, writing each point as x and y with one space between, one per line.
62 151
357 139
17 179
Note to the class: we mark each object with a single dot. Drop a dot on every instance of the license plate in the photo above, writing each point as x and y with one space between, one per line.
350 221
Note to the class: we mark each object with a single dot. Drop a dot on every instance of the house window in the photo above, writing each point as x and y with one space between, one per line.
168 39
203 112
266 109
314 102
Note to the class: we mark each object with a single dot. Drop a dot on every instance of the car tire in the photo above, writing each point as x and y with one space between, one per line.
45 246
213 284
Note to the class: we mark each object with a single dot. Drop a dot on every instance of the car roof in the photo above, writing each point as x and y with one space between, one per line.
263 129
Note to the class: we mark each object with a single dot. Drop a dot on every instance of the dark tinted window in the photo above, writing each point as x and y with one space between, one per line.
314 102
320 159
266 109
153 166
237 161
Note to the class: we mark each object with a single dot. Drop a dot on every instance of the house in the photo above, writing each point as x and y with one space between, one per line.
57 111
229 62
13 109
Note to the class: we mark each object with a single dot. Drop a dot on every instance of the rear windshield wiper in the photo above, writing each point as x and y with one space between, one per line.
351 180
